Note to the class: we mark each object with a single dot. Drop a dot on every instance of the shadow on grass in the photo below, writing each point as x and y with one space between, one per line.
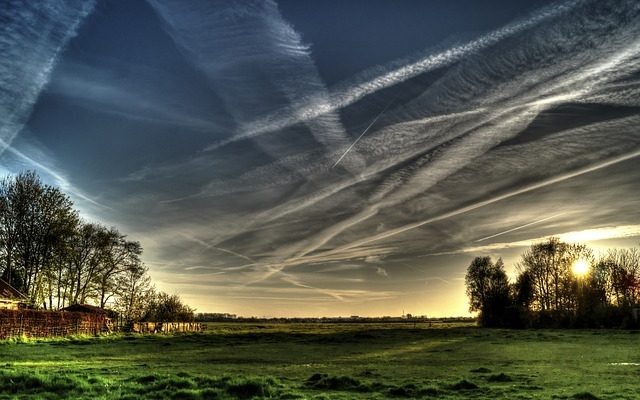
186 386
59 386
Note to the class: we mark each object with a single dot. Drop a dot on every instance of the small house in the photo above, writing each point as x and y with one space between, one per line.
10 297
85 308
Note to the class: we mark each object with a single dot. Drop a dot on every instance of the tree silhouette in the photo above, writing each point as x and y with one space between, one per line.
548 292
548 265
488 290
36 221
56 259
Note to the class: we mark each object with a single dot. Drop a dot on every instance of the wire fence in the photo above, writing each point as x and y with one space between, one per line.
41 324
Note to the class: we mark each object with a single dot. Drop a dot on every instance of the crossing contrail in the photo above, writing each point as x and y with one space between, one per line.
518 227
363 132
550 181
32 37
373 80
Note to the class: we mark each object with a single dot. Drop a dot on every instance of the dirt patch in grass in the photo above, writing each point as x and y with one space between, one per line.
464 385
147 379
339 383
184 386
412 391
585 396
247 388
501 377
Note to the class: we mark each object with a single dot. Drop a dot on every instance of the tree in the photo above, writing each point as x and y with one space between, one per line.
620 275
47 253
35 222
118 255
135 293
523 290
166 307
88 245
488 290
548 265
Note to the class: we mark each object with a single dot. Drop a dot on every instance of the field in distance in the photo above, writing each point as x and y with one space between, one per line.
328 361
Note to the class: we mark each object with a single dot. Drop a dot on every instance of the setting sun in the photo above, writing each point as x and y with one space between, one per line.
581 267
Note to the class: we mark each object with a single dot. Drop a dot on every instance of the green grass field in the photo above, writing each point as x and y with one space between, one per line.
328 361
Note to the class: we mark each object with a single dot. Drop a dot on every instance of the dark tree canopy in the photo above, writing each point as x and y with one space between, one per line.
36 222
488 289
166 307
56 259
550 291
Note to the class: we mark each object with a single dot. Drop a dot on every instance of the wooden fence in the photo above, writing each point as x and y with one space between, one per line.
166 327
39 324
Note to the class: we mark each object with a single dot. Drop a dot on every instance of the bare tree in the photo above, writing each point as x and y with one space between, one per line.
87 254
620 269
57 260
548 265
135 292
119 255
37 219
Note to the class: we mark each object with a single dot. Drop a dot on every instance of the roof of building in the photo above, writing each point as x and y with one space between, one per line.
87 308
9 292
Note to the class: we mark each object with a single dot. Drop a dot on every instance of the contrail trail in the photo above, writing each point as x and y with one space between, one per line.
608 232
370 81
334 253
233 253
364 132
219 47
544 183
32 37
511 121
519 227
210 246
61 180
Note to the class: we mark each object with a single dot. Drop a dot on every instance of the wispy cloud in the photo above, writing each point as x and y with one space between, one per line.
380 78
139 94
264 41
32 36
557 179
362 134
519 227
582 236
424 153
514 110
382 272
325 193
17 160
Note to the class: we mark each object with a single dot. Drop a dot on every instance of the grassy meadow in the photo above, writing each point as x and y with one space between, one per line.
328 361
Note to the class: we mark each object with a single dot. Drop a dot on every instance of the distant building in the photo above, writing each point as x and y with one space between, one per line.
10 297
215 317
85 308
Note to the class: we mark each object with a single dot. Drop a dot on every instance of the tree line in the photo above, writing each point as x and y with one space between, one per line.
558 285
57 259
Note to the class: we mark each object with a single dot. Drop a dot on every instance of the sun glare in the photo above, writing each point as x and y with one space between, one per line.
581 267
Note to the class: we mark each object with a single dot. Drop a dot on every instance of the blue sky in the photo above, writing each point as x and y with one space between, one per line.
329 158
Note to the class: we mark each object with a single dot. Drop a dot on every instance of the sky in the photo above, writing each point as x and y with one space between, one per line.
324 158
